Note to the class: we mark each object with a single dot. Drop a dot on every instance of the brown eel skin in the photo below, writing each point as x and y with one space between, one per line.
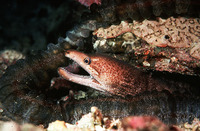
25 95
110 75
114 76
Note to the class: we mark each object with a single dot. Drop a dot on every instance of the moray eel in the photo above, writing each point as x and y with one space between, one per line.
108 74
173 98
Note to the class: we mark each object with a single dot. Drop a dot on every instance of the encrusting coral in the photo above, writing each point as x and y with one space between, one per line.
173 32
165 44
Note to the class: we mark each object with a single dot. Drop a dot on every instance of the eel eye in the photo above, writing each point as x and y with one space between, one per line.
87 60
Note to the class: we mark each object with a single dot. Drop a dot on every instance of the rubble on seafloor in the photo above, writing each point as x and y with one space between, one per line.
165 44
7 58
96 121
13 126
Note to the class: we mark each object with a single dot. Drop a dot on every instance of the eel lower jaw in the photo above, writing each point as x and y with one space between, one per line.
80 79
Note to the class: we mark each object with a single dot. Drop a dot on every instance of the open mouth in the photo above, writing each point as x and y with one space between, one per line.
81 74
76 70
86 76
77 74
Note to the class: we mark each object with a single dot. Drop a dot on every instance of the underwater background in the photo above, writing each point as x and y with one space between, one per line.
160 37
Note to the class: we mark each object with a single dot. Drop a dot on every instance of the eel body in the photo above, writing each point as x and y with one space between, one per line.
171 97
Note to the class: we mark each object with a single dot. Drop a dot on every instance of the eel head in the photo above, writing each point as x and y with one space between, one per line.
105 73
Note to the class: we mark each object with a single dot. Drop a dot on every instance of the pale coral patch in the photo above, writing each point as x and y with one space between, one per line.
195 50
88 3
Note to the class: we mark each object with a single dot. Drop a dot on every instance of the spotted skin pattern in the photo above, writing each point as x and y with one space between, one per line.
110 75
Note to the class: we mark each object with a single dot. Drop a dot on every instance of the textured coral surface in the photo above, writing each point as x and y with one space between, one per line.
173 32
165 44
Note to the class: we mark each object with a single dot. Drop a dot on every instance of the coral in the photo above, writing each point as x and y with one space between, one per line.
146 9
88 3
137 52
143 123
96 121
7 58
171 44
173 32
75 36
195 50
13 126
194 126
91 121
